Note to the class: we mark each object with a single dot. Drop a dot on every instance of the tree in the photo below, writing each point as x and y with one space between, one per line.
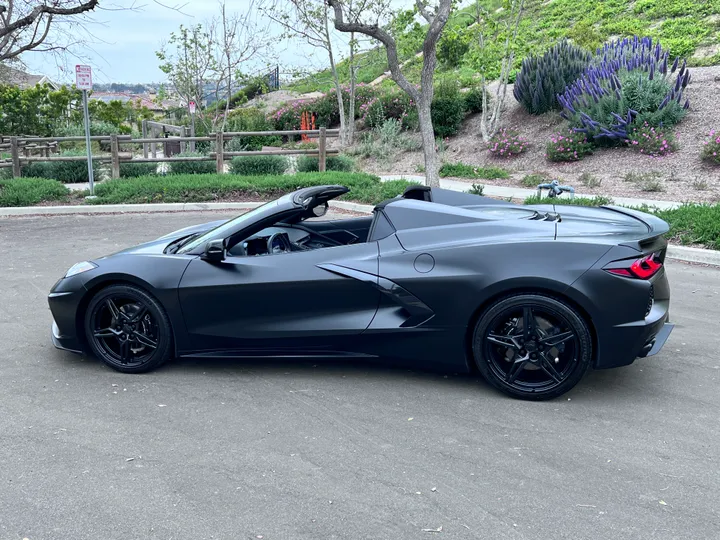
490 118
309 20
437 19
25 24
237 39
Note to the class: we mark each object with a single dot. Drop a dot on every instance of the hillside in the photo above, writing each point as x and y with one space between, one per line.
688 28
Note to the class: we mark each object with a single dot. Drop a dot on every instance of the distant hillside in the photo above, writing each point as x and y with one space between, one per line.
688 28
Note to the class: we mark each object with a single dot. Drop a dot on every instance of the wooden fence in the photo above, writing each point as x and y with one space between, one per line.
20 155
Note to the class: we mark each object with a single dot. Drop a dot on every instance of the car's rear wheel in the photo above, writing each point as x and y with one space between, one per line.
531 346
128 329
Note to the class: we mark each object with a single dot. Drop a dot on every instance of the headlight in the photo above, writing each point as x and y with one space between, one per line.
79 268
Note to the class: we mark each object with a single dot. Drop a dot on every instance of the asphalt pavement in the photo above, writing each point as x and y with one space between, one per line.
336 450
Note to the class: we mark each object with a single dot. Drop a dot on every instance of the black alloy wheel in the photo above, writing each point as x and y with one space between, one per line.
128 329
532 346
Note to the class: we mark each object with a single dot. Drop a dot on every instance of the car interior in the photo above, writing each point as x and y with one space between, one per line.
309 233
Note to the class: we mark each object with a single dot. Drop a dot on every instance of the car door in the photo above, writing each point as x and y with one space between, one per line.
301 299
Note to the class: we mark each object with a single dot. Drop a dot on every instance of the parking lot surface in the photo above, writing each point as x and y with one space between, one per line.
242 449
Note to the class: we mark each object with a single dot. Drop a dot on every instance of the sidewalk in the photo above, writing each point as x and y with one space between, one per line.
523 193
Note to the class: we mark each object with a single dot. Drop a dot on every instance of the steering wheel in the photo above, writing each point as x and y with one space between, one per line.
279 242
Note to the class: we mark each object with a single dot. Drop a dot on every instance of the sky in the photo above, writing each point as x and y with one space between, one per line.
123 41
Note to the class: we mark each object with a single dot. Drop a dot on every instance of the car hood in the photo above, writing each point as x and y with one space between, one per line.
157 246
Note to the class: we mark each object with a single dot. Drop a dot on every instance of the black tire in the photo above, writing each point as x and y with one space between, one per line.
543 363
128 329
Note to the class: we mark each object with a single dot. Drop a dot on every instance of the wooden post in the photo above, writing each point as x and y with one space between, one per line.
219 151
115 156
322 142
153 146
15 152
191 131
145 136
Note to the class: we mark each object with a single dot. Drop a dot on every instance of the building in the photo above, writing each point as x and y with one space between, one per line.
23 80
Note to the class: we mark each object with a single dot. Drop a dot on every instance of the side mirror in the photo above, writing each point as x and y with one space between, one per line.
214 251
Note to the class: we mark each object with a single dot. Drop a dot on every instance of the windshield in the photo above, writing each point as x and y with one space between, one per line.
217 232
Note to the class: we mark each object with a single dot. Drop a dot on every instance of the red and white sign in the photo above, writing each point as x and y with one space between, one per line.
191 106
83 77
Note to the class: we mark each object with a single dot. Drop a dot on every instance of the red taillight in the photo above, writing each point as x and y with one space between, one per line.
644 268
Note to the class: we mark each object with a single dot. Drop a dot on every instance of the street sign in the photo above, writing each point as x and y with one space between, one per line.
192 107
83 77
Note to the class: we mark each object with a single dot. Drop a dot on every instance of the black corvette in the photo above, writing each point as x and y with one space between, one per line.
530 296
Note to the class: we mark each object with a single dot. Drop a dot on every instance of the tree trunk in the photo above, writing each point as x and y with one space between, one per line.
351 98
432 176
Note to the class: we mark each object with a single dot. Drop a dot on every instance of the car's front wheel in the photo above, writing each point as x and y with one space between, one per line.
531 346
128 329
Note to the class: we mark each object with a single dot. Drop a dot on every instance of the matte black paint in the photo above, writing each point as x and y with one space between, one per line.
410 286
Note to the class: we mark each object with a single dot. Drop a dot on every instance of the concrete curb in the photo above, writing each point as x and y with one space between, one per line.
680 253
696 255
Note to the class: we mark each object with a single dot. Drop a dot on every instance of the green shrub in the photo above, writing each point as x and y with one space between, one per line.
474 100
600 200
711 148
541 78
532 180
192 167
258 165
133 170
476 189
568 146
31 191
250 119
197 188
462 170
67 172
652 141
338 163
693 224
448 109
392 105
507 143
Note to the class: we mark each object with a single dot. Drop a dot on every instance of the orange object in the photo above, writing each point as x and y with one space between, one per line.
307 121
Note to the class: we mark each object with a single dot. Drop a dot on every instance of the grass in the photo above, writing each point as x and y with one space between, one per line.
600 200
534 179
462 170
693 224
31 191
682 26
364 188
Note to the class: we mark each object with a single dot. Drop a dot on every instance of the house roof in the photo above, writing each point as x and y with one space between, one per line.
21 79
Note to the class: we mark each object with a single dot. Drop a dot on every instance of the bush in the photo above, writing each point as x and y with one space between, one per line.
694 224
250 120
542 78
133 170
192 167
194 188
394 105
462 170
631 84
448 109
258 165
568 146
67 172
600 200
652 141
534 179
332 163
31 191
507 143
288 118
711 148
474 100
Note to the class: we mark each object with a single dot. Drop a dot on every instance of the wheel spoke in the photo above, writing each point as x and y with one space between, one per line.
114 311
529 326
547 366
557 339
506 341
105 333
145 340
125 351
516 368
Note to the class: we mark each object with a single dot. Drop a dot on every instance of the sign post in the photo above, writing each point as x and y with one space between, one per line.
192 107
83 81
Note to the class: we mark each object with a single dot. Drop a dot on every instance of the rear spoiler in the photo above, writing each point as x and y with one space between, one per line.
656 226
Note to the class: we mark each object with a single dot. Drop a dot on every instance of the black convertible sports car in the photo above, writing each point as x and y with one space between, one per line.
531 296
